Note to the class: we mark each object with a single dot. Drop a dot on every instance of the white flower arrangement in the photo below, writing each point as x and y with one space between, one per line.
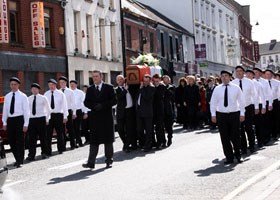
146 59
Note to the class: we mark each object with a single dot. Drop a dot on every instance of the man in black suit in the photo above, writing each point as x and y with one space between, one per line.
144 108
209 91
158 116
99 99
125 113
169 99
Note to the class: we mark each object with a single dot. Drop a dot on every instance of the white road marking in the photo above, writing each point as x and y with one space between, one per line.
252 180
13 183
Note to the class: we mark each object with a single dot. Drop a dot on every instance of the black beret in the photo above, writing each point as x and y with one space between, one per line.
278 74
15 79
36 85
74 81
87 86
63 78
239 67
249 70
52 81
269 70
258 69
226 72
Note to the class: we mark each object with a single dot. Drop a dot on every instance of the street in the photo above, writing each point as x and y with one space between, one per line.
192 168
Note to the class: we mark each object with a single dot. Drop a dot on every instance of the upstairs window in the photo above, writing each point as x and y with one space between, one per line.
14 21
47 21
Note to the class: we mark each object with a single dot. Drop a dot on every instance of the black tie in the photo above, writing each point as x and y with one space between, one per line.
97 88
52 101
269 84
63 90
12 107
226 97
240 84
34 106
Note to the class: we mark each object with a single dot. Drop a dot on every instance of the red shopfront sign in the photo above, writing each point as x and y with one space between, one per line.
4 31
256 51
38 26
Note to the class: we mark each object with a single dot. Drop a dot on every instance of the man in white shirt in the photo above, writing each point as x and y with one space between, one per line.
274 114
228 110
85 121
258 118
251 107
39 118
59 113
71 105
79 100
15 120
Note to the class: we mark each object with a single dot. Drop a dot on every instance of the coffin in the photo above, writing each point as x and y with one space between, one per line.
135 73
156 70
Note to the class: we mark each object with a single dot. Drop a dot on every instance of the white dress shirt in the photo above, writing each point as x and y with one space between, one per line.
60 103
129 101
259 93
79 99
70 97
21 107
275 88
266 90
236 100
43 108
85 109
99 86
249 91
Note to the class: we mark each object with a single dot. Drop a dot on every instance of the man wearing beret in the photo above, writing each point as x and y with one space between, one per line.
59 113
39 118
15 120
228 110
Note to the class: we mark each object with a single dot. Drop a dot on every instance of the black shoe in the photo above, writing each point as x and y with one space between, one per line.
81 144
72 148
60 152
86 142
15 164
228 162
239 160
29 159
163 145
243 152
88 165
108 165
252 150
169 142
147 149
19 165
44 156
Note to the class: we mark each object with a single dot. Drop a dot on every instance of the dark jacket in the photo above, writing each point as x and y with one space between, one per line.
179 95
121 102
146 102
158 102
192 95
209 93
101 121
169 99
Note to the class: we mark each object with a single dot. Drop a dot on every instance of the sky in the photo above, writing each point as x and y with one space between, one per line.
267 13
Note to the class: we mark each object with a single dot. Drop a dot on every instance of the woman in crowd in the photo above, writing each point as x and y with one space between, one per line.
181 109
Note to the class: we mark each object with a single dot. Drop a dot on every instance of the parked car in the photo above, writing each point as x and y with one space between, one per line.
3 165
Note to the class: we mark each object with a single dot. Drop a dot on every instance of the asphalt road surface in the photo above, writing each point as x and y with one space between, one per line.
192 168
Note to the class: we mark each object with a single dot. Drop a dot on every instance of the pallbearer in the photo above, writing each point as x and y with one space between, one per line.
251 107
59 113
39 117
15 119
79 100
71 105
228 110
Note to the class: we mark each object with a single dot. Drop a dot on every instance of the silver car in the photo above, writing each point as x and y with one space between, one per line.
3 165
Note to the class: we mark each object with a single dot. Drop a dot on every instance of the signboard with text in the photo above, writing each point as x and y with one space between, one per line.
200 52
231 51
256 51
4 31
38 27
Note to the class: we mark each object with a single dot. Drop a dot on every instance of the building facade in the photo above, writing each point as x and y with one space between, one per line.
93 39
270 55
34 45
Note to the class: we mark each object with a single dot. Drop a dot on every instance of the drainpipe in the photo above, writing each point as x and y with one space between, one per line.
123 39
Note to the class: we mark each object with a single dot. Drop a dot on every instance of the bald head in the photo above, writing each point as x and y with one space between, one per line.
120 80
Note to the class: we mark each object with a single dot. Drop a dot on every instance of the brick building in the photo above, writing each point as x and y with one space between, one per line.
22 56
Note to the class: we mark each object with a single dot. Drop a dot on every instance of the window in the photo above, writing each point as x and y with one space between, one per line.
14 21
87 32
270 59
221 20
202 10
196 9
227 24
47 21
264 60
102 37
151 42
76 30
213 18
112 4
100 3
276 58
171 47
223 52
214 49
141 44
162 44
113 39
177 49
128 36
209 48
207 15
78 75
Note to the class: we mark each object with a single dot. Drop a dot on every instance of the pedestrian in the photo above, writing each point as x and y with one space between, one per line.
77 122
59 113
228 110
144 112
40 111
169 100
202 113
209 91
126 116
192 100
100 98
179 101
86 121
71 106
251 107
15 119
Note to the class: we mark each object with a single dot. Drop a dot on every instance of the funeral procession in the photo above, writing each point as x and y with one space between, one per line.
139 100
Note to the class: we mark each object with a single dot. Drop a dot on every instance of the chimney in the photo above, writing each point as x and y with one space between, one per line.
273 41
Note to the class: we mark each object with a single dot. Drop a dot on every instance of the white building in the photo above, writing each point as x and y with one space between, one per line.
270 55
93 39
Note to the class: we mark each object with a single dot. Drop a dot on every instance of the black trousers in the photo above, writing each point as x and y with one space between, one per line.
70 130
56 122
274 118
16 137
85 127
247 129
213 125
37 128
77 126
93 151
192 115
158 125
145 124
126 127
168 123
267 124
229 128
259 128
